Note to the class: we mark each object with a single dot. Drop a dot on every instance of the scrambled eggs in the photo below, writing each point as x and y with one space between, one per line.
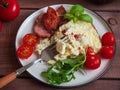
74 46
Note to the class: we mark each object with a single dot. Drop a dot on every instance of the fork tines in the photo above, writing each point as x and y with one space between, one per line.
53 45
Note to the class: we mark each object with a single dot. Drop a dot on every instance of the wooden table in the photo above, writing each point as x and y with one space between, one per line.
8 61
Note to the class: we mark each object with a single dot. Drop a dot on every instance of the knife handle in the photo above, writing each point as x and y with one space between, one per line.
7 79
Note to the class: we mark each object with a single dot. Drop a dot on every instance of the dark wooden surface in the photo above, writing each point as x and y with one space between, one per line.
8 61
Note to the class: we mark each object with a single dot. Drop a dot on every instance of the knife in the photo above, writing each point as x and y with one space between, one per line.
10 77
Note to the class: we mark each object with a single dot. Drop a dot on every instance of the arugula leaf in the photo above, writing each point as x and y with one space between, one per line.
77 13
63 70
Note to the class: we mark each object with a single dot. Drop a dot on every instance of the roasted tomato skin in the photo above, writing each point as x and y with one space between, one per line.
61 11
24 51
31 39
51 19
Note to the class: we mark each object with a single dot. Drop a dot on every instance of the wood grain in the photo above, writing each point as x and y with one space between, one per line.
8 60
29 4
7 79
31 84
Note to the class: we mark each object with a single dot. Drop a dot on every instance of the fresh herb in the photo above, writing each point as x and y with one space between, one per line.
63 70
77 13
86 17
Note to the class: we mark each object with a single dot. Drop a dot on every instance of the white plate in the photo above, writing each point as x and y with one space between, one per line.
35 70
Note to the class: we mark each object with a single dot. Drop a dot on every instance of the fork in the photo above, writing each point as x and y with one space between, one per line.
47 54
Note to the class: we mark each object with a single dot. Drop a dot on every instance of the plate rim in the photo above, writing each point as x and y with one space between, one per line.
98 77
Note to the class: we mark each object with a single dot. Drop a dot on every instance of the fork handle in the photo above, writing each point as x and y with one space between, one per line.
7 79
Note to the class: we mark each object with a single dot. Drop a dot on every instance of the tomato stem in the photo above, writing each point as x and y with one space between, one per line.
3 4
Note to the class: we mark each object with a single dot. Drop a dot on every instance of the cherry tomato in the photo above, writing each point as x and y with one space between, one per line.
92 62
107 52
0 25
24 51
30 39
108 39
90 51
9 10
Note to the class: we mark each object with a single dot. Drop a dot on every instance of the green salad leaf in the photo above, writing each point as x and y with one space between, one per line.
63 70
77 10
86 17
76 13
69 16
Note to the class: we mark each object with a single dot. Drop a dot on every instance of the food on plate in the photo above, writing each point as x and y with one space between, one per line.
24 51
44 42
107 52
9 10
31 39
82 39
108 42
51 19
79 51
46 23
60 11
92 62
39 28
90 51
63 70
108 39
29 42
77 13
87 36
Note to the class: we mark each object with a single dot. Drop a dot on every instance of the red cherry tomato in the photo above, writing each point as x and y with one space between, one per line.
24 51
108 39
9 10
0 25
107 52
92 62
30 39
90 51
